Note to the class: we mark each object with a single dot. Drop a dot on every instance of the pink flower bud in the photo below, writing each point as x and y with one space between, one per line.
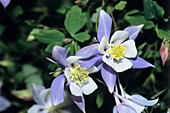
165 51
79 2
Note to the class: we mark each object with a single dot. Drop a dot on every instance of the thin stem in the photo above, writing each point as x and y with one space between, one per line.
113 19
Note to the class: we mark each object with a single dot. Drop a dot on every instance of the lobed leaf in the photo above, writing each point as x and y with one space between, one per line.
75 20
49 36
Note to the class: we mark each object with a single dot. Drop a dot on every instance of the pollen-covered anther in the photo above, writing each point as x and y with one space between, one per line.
116 51
79 74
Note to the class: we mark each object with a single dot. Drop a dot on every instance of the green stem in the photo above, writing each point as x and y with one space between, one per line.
113 19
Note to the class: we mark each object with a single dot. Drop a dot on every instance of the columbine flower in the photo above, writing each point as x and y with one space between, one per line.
78 78
44 104
5 3
116 55
130 104
4 103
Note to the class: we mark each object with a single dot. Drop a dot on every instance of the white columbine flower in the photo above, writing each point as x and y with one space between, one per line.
77 77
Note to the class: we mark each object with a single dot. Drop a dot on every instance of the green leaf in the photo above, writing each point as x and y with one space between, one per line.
89 22
95 15
139 19
23 94
16 12
167 95
152 9
2 29
99 100
49 36
148 9
75 20
19 77
76 46
121 5
71 48
81 37
3 47
31 36
162 34
29 69
131 12
50 47
33 79
64 6
6 63
158 9
158 94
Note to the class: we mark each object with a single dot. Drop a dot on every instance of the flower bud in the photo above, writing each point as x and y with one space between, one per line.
165 50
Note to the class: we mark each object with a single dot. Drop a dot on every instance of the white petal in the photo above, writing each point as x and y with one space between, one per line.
119 37
67 74
102 45
108 61
118 66
122 65
75 89
93 69
72 59
89 87
46 97
115 110
131 50
36 109
135 106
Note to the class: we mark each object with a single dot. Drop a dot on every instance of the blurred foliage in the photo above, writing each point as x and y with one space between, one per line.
30 29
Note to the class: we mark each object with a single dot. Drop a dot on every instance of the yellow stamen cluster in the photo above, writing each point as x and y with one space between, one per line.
116 52
79 74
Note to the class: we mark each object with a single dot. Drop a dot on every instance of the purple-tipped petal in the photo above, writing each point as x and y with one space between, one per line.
59 54
104 26
87 51
5 3
109 76
79 101
36 93
57 90
142 101
139 63
90 61
4 103
133 31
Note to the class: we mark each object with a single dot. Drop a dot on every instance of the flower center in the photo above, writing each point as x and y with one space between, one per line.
79 74
116 52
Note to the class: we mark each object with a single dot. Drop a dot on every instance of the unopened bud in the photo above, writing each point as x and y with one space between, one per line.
80 2
165 51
